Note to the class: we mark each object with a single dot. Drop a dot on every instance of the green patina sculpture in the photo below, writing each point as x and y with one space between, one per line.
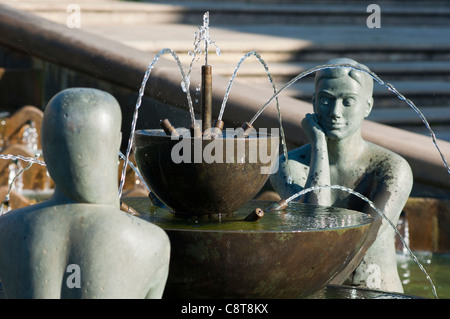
338 155
81 228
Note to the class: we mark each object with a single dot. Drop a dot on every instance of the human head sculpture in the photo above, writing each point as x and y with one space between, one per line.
81 135
342 98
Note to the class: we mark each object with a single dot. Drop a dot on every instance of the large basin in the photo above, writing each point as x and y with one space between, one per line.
205 176
286 254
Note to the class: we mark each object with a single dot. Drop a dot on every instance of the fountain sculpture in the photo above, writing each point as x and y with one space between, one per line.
81 225
338 155
191 270
202 180
224 245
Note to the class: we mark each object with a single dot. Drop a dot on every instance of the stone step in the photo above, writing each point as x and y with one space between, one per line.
254 71
285 43
408 116
291 38
224 13
422 94
420 68
145 26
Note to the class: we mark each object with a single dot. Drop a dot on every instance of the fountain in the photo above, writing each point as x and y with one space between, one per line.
224 243
288 254
204 181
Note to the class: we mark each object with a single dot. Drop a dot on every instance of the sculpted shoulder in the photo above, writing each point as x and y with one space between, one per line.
295 168
301 154
114 224
392 166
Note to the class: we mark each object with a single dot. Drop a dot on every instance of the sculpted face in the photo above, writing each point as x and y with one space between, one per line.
341 104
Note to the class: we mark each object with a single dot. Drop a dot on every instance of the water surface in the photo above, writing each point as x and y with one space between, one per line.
414 281
298 217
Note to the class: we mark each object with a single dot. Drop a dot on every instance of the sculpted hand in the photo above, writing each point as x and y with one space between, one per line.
312 129
319 167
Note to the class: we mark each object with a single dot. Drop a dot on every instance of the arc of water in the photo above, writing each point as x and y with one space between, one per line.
351 191
135 115
201 35
306 73
233 76
376 78
11 184
22 158
139 101
34 160
136 171
422 117
269 75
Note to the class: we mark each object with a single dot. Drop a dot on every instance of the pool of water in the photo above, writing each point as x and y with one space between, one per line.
414 280
297 217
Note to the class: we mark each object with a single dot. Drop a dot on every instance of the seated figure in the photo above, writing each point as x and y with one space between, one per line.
337 154
79 244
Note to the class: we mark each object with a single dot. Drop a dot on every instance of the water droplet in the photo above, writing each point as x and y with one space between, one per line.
289 180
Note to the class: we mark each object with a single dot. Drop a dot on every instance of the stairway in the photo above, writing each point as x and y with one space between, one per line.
411 49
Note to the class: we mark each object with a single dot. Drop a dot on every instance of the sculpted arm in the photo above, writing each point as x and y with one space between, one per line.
319 171
392 194
307 166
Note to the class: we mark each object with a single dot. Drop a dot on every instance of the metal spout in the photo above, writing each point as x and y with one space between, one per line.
168 128
216 131
127 209
196 130
255 215
206 97
245 130
281 205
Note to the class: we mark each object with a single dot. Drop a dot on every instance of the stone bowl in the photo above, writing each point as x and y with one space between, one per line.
285 254
198 176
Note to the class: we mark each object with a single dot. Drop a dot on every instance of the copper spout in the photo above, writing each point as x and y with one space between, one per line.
168 128
281 205
206 97
127 209
255 215
216 131
245 130
196 130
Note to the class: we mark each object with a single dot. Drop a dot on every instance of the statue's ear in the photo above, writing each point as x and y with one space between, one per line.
369 107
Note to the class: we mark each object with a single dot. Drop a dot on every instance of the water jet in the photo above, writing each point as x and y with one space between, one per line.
224 243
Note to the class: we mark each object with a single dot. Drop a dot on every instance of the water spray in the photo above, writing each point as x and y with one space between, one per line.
389 86
284 203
